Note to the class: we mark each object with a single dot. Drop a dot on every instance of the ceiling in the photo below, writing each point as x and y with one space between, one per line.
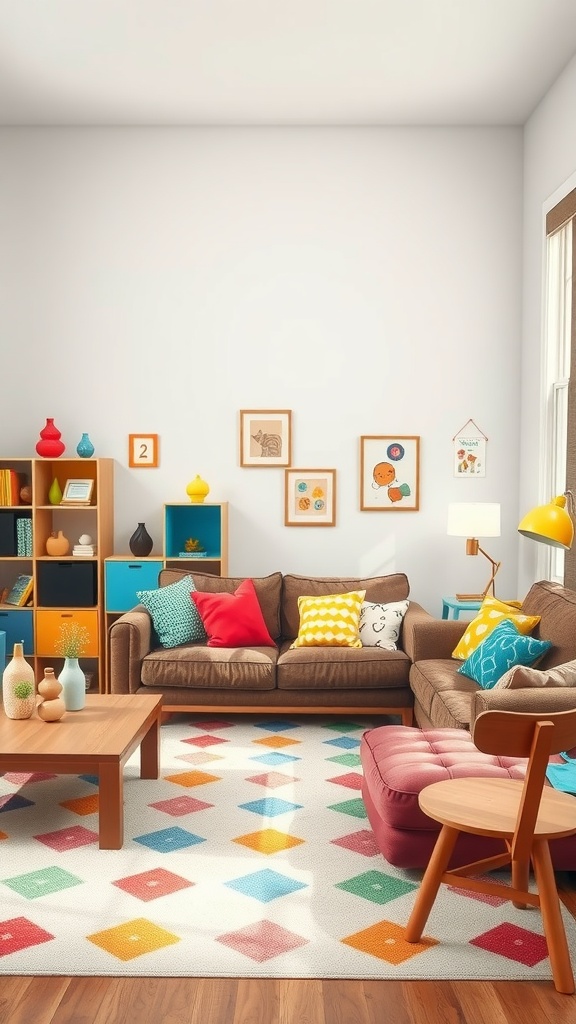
284 62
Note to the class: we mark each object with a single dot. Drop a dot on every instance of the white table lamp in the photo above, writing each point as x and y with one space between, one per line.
475 519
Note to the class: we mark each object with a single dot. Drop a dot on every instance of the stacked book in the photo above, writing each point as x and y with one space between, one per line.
24 536
84 550
9 487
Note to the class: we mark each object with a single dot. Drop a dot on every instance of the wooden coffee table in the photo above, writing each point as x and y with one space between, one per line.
97 740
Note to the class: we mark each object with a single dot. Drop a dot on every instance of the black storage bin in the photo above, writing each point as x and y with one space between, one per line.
67 584
8 547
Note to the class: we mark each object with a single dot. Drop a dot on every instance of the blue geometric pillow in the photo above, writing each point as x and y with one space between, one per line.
502 649
174 615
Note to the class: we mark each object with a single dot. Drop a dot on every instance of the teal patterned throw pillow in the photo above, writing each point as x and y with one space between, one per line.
504 648
174 615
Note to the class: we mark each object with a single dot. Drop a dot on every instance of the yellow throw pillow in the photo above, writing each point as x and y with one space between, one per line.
330 621
491 613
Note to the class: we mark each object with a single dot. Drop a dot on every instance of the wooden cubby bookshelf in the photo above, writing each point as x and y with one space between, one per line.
68 587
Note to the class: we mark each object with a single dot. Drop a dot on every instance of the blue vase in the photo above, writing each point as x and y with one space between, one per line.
73 683
85 448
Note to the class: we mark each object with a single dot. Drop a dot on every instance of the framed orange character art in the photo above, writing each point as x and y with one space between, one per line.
389 473
310 497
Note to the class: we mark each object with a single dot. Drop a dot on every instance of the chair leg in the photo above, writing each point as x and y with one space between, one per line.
431 883
552 919
520 880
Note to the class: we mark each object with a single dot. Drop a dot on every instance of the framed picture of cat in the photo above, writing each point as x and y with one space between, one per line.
265 437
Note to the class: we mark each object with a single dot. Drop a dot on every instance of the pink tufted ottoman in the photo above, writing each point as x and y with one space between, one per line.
398 761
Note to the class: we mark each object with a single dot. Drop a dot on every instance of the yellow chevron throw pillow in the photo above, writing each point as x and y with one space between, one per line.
332 620
490 614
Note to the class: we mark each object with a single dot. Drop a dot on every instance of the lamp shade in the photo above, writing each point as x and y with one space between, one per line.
549 524
473 519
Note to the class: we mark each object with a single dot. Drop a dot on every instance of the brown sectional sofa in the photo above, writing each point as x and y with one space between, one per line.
307 679
445 699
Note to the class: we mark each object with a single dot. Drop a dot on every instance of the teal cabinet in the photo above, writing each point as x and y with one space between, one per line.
125 576
204 522
18 625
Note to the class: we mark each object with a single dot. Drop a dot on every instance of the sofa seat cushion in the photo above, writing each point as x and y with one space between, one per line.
340 668
221 668
381 589
444 695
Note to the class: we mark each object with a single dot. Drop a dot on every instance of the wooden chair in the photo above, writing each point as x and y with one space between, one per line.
525 815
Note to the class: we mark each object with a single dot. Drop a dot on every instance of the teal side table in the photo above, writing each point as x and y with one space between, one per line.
452 604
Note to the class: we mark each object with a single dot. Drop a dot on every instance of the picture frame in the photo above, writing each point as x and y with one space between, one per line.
77 492
310 497
265 437
389 473
143 451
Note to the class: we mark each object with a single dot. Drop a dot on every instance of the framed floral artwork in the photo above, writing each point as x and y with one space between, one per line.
310 497
265 437
389 473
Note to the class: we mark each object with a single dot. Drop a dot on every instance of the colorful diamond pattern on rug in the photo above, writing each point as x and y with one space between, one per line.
277 828
266 885
377 886
263 940
151 885
43 882
135 938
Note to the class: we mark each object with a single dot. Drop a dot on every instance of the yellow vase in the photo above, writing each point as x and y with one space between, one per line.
197 490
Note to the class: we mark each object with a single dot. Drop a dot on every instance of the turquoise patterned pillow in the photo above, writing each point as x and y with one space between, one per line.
174 615
504 648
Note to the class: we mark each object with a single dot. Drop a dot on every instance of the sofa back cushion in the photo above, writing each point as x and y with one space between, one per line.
379 589
268 589
556 606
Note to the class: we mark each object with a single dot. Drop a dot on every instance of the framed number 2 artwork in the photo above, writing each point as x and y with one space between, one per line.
143 451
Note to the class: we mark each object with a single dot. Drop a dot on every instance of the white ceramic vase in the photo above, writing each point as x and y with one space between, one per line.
73 683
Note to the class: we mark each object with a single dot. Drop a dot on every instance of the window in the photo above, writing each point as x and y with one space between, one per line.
560 340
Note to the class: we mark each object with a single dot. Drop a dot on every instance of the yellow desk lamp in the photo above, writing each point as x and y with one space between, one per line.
552 523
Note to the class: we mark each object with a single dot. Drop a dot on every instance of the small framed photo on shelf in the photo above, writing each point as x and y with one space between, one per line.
265 437
143 451
77 492
310 497
389 473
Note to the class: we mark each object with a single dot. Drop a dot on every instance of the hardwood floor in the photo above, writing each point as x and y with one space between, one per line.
63 1000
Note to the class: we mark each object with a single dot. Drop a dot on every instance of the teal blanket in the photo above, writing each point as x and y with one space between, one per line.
563 776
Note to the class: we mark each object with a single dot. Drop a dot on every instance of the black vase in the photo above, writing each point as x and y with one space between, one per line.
141 542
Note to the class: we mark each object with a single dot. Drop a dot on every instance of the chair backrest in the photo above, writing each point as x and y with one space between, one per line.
511 733
530 735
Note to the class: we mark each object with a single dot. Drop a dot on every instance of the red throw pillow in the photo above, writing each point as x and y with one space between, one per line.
233 620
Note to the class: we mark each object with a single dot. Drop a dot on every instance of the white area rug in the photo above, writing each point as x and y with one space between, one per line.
251 856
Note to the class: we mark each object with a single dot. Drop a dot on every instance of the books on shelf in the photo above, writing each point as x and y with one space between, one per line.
9 487
24 536
21 591
84 550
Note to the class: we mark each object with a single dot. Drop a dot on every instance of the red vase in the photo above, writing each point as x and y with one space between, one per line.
50 446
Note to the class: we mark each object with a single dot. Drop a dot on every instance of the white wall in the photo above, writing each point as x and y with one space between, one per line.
160 280
549 174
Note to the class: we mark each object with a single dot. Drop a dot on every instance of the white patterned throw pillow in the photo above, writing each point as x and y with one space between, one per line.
380 624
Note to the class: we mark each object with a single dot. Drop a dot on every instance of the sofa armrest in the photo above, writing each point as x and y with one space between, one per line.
544 699
130 639
432 638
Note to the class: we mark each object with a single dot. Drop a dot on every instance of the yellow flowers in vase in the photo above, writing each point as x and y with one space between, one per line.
73 640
